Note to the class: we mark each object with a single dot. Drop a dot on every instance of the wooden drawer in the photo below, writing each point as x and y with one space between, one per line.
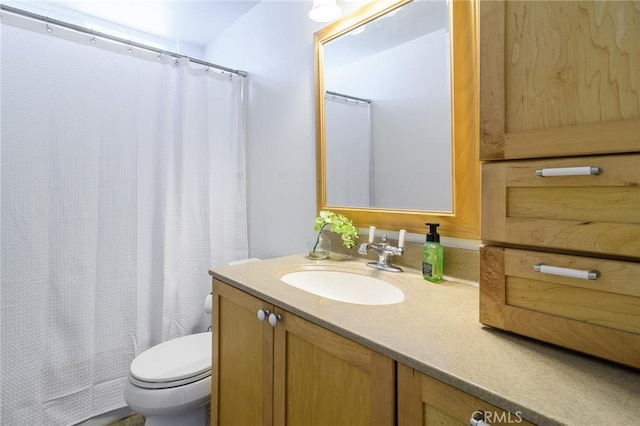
590 213
600 317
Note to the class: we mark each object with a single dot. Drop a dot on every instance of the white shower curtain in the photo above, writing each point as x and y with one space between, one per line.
121 185
348 152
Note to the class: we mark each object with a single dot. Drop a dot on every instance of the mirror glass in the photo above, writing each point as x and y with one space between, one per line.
387 107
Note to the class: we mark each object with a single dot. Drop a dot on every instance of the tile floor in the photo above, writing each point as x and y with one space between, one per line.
132 420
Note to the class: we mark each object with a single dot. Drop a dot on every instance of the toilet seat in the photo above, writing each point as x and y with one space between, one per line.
173 363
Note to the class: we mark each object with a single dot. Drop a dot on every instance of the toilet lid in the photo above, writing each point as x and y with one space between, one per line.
174 362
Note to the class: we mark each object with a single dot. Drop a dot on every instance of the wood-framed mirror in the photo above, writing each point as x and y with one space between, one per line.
459 216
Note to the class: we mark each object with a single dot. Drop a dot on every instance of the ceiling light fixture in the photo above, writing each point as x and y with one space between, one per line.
358 30
324 10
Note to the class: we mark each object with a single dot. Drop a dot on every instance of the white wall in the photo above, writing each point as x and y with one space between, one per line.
274 44
59 10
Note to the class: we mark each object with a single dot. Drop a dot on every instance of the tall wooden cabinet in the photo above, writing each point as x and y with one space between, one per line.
560 141
280 369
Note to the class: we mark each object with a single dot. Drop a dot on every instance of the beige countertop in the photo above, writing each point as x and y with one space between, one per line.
435 330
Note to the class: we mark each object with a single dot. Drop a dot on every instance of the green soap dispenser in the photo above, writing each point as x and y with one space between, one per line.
432 255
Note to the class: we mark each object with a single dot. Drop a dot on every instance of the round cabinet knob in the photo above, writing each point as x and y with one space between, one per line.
263 314
478 419
273 319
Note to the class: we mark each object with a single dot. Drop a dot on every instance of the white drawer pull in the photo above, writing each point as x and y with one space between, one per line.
566 272
569 171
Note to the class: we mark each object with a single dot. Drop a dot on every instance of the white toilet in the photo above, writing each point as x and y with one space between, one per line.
170 384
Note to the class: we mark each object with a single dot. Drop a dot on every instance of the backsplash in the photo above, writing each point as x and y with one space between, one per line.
459 263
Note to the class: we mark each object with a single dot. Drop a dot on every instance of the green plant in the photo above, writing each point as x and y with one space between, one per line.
339 224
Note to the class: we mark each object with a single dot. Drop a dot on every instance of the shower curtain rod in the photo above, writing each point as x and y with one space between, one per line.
123 41
340 95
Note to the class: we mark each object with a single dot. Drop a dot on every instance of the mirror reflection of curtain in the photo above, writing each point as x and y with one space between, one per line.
348 151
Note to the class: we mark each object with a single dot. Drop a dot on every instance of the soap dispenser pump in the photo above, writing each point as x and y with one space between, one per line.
432 255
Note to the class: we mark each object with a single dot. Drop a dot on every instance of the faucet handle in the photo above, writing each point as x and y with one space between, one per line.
372 234
401 238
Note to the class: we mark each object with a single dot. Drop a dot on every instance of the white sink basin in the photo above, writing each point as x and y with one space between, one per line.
345 287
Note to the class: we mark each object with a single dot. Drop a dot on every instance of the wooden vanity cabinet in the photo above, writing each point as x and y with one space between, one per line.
560 137
293 373
425 401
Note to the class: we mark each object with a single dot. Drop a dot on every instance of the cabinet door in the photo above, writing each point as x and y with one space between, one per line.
559 78
242 367
321 378
425 401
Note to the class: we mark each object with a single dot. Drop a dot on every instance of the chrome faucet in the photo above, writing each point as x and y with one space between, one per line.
383 250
